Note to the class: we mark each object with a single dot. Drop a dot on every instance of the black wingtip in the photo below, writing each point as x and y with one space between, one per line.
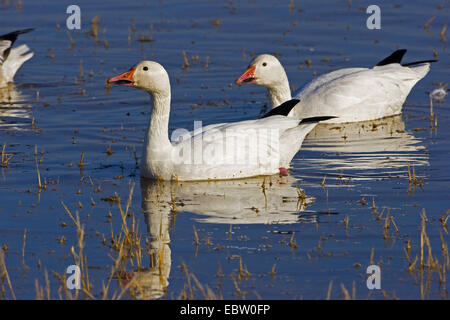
24 30
395 57
283 109
12 36
419 62
316 119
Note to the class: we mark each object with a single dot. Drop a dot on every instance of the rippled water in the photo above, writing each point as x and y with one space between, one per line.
294 235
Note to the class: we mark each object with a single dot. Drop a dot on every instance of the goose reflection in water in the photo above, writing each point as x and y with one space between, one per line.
376 144
265 200
260 200
14 108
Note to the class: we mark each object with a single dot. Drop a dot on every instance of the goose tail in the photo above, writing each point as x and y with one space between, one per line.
16 58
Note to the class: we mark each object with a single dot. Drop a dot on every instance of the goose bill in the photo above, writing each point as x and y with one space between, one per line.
247 77
124 79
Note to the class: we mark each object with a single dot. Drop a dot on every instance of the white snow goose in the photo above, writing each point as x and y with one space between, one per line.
11 59
216 152
351 94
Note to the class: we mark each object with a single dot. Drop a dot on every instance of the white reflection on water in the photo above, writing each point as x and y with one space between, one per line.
377 144
258 200
266 200
14 108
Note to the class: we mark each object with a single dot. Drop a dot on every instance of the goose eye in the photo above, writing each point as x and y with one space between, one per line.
264 64
145 68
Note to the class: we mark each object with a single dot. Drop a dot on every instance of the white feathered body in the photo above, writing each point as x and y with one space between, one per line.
11 59
11 65
358 94
227 150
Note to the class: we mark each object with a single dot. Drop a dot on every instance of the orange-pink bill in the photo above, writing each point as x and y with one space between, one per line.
124 79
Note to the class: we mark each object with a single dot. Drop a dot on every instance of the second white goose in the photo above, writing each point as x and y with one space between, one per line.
351 94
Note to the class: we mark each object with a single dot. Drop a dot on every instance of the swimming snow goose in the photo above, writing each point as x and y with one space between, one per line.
221 151
351 94
11 59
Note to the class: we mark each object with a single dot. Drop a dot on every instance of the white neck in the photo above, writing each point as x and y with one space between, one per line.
279 94
157 146
279 91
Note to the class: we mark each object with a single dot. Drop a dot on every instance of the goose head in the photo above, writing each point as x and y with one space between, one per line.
265 70
147 75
